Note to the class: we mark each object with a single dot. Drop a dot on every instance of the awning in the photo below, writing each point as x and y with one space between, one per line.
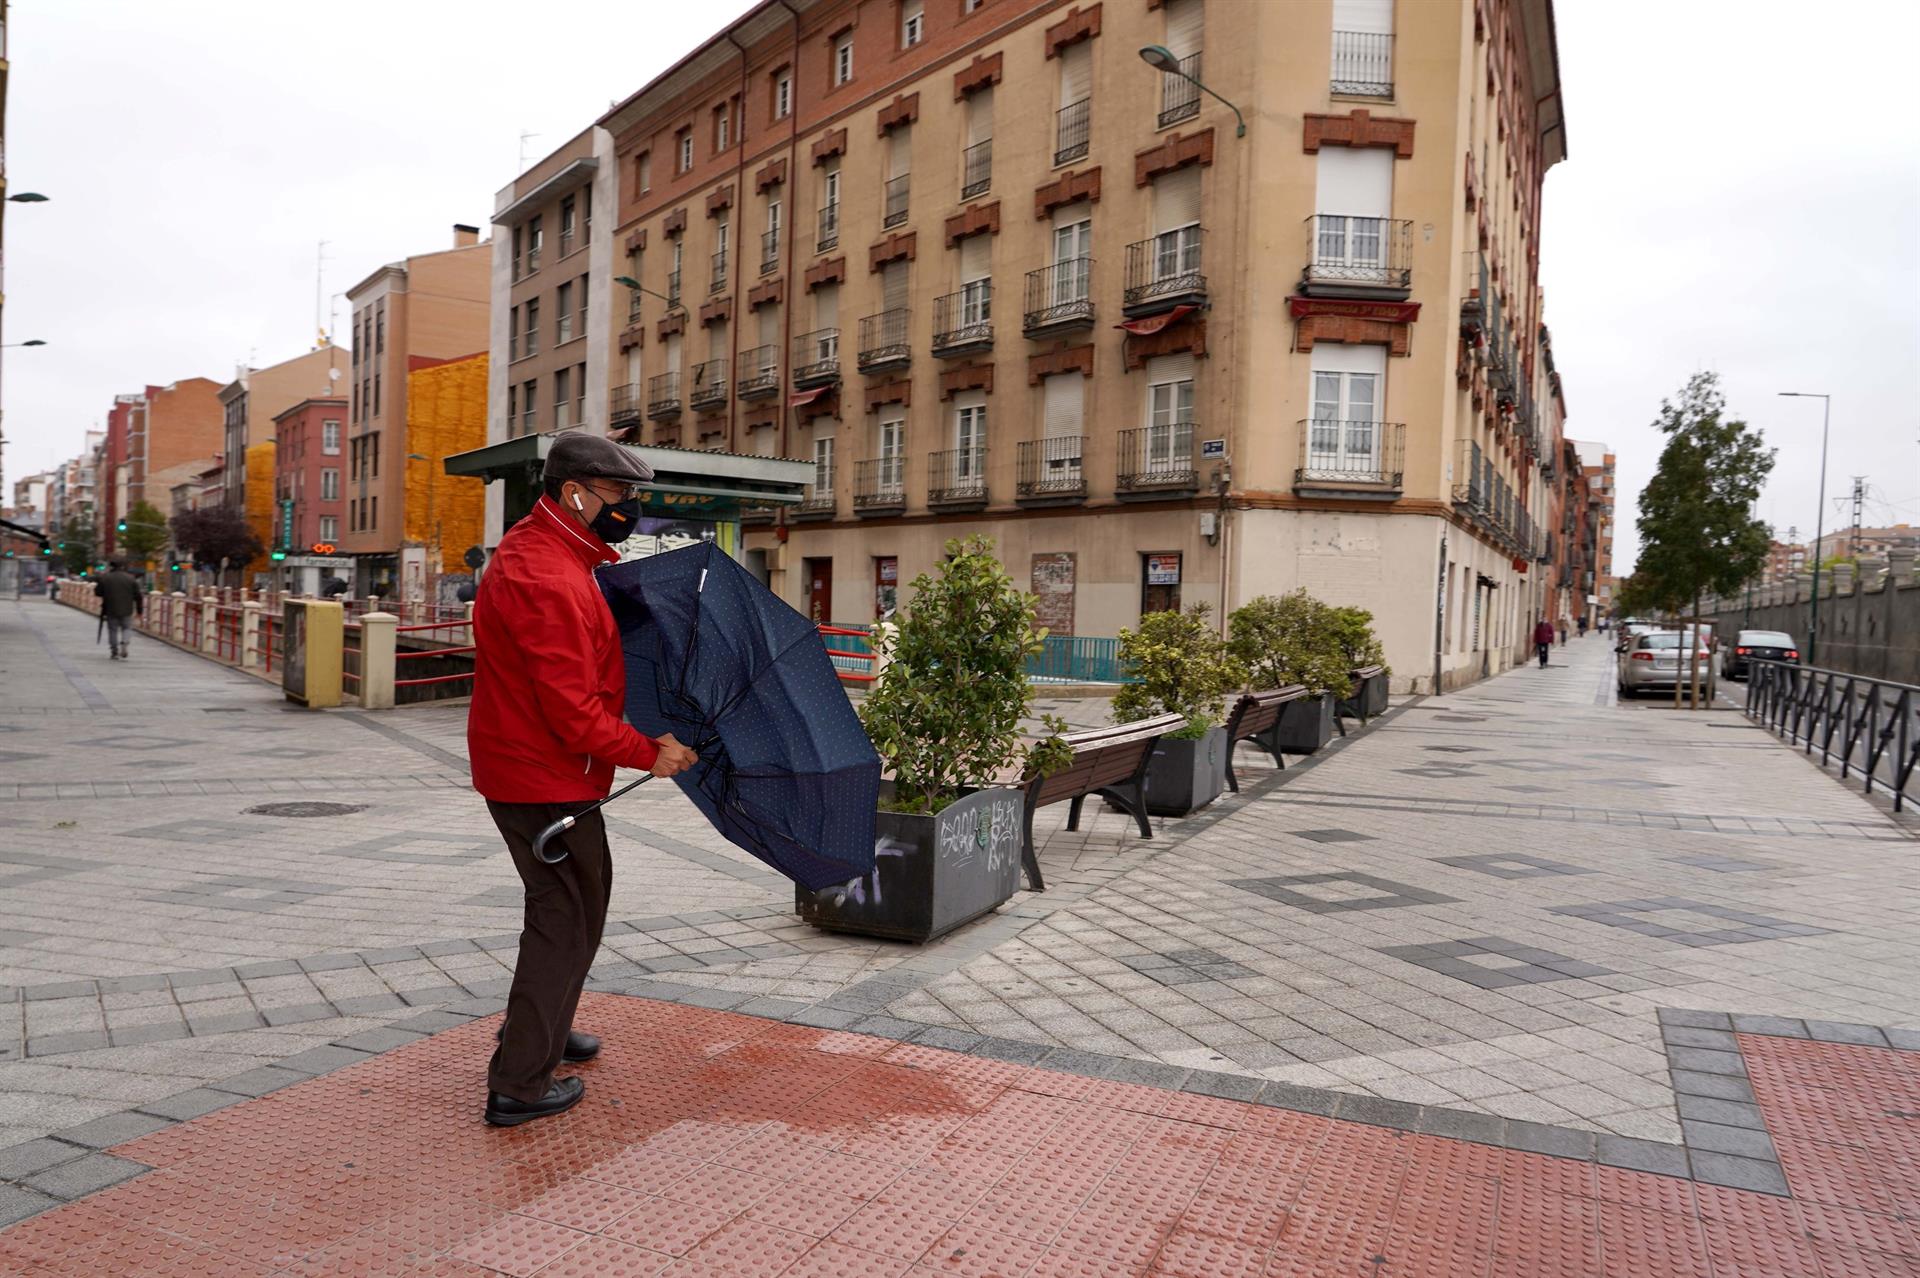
681 476
1151 324
801 398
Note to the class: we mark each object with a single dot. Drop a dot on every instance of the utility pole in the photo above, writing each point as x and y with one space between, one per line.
319 295
1859 501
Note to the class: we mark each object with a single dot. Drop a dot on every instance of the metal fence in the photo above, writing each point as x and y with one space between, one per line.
1062 658
1870 726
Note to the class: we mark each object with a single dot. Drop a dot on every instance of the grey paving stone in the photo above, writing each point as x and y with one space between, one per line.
1777 1026
191 980
1150 1074
503 941
948 1039
1707 1109
191 1103
887 1027
72 1041
440 949
133 984
1237 1087
393 954
1707 1061
1840 1032
17 1162
277 967
61 989
1544 1138
1009 1049
367 1004
16 1204
84 1175
378 1040
1694 1019
1640 1155
1687 1036
477 1006
1306 1100
300 1014
778 1009
323 1060
719 1000
1379 1112
113 1129
828 1018
431 995
152 1032
1070 1061
258 1082
1905 1039
227 1023
1739 1173
432 1022
330 962
1461 1124
1719 1139
1719 1086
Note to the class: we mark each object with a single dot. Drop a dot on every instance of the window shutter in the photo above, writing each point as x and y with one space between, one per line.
717 340
976 257
893 286
1375 16
1076 73
826 306
980 116
1184 27
769 325
1354 181
763 442
673 353
1171 368
1176 198
1072 214
900 151
1066 398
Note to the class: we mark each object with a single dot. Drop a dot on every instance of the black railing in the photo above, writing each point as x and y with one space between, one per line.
1363 63
883 341
709 384
673 288
1059 297
1051 467
829 235
1179 95
1157 458
1358 254
634 299
1072 131
963 321
1351 454
1469 478
1870 725
717 281
957 477
898 189
976 169
663 395
880 483
769 252
818 499
759 372
623 404
816 357
1165 271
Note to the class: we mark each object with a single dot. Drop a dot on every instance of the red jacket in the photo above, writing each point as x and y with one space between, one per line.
549 685
1543 632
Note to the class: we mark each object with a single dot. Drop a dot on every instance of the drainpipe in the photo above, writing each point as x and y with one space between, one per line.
1440 614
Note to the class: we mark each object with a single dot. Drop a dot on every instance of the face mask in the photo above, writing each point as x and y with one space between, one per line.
614 524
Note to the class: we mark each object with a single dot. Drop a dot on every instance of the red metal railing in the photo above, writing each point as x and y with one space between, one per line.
227 634
196 614
460 624
842 656
267 641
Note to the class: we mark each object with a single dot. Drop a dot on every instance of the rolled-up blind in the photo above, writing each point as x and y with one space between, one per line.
1176 198
976 258
1184 27
1066 397
893 286
1076 73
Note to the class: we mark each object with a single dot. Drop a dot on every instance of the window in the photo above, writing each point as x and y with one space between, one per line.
562 398
519 237
899 182
976 162
823 466
373 512
1062 427
1352 200
722 123
563 313
513 411
513 333
1073 123
843 59
580 393
330 484
1179 95
976 281
913 22
535 239
970 435
530 344
1169 437
580 292
970 6
643 171
1072 253
329 528
1363 47
376 392
1344 436
684 146
1176 223
330 438
782 94
586 214
529 391
569 218
892 449
380 328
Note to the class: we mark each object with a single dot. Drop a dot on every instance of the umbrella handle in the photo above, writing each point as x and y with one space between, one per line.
568 822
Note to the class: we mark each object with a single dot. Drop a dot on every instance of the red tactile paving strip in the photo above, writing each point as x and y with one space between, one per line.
715 1144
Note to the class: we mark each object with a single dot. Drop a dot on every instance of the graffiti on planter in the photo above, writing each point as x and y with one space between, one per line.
856 891
986 832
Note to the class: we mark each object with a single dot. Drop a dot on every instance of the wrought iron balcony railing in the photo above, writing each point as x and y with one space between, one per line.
1469 477
883 341
958 477
1072 131
1165 272
759 373
623 404
879 484
1363 63
1351 457
1157 459
1358 256
673 288
1179 96
1051 469
897 192
709 385
976 169
816 358
963 321
1059 298
769 252
634 299
717 279
818 498
663 395
829 236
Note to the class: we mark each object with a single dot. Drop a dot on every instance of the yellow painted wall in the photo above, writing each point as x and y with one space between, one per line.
259 501
446 414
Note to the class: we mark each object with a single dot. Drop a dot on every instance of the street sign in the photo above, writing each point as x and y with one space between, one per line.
1213 449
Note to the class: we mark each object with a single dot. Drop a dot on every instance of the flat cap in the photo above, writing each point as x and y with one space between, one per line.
584 455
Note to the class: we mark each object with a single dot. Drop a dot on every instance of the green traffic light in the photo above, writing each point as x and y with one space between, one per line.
121 526
279 555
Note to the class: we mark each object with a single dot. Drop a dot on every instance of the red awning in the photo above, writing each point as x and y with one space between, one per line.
1152 324
799 398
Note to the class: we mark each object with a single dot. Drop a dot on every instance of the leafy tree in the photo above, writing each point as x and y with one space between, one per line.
1287 640
1181 666
77 542
1698 534
214 534
146 533
1353 632
945 714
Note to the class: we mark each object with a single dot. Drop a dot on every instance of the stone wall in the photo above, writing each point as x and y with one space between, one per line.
1869 617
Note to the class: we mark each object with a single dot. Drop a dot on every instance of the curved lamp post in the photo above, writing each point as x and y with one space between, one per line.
673 304
1819 517
1162 59
35 342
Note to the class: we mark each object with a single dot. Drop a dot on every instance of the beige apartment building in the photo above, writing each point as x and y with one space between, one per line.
987 269
408 315
249 404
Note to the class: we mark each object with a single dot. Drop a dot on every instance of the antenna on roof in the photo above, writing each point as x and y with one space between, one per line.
524 139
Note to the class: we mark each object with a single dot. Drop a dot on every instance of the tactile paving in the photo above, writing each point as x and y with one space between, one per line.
714 1144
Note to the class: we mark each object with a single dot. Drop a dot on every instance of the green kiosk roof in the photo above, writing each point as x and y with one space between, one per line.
685 472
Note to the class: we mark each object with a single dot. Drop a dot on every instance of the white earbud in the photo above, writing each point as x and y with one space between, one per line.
576 504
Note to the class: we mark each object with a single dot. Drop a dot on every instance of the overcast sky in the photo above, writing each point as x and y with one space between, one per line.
1743 195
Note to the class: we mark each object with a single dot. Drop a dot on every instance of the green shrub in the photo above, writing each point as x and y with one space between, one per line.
1353 631
1290 639
1181 666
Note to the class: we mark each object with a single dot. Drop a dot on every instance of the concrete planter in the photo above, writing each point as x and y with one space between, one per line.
1305 725
1186 775
931 874
1369 695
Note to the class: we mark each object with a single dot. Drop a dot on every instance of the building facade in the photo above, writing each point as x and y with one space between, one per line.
149 431
249 405
406 315
309 440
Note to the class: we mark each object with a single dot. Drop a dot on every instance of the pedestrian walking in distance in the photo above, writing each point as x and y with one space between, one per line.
544 734
1581 621
1543 640
120 601
1563 631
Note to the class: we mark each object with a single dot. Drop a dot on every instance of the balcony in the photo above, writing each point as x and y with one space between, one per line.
829 236
816 359
673 288
963 321
769 251
1363 64
818 501
759 373
1358 257
1059 299
1180 98
883 342
709 386
1049 472
663 396
623 405
1350 459
957 479
717 276
1072 131
879 486
1157 462
894 210
976 169
634 299
1164 272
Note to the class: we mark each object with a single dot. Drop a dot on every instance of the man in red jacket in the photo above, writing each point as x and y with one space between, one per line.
544 733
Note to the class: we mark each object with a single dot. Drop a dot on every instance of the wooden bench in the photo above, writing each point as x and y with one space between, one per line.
1255 715
1108 762
1356 702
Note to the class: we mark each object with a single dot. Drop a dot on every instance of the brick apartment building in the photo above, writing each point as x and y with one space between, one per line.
309 440
249 404
149 431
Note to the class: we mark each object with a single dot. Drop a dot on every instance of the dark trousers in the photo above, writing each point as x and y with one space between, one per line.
566 910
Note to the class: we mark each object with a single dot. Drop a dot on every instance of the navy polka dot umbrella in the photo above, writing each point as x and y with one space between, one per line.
786 770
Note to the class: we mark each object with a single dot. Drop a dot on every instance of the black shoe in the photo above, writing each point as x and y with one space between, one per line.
504 1111
580 1047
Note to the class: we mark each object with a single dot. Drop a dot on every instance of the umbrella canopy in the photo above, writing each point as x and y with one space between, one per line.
786 770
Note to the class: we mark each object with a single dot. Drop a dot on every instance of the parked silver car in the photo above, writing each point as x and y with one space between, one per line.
1659 659
1756 645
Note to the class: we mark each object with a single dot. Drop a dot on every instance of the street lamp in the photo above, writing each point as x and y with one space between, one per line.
673 303
1163 60
9 345
1819 517
28 197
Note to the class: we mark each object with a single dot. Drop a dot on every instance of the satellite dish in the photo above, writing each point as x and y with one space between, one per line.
333 374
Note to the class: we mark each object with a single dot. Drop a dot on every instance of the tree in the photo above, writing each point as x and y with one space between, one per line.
1287 640
1698 533
146 533
216 534
1180 666
76 543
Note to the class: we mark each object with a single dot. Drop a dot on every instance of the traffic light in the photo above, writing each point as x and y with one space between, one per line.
46 550
278 555
121 526
175 566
